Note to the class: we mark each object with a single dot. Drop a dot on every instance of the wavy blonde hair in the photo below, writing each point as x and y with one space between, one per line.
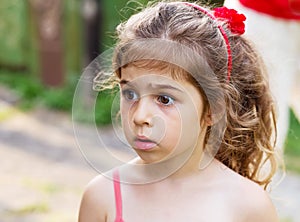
247 143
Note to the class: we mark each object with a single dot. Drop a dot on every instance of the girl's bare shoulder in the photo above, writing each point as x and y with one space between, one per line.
249 200
256 203
99 187
97 201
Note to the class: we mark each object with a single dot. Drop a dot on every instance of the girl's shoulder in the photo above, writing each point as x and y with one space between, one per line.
254 203
249 200
99 186
97 201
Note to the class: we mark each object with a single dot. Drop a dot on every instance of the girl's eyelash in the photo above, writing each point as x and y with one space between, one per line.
165 100
162 99
129 94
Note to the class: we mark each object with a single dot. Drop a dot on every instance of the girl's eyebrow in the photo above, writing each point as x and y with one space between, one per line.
164 86
153 85
123 82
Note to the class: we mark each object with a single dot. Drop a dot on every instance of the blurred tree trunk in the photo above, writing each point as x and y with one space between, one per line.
48 15
92 21
92 25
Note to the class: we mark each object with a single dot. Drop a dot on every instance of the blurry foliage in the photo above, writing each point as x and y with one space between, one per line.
13 28
72 29
119 11
293 138
31 93
292 145
115 12
18 35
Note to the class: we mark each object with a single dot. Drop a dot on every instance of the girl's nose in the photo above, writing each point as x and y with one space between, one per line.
143 114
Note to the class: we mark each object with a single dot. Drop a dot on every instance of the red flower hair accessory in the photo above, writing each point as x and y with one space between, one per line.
234 20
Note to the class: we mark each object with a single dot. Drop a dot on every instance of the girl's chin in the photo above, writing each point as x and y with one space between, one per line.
154 157
145 157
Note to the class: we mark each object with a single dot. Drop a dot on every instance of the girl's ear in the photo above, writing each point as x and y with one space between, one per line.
207 118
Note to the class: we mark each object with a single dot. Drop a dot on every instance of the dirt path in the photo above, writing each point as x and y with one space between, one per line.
43 173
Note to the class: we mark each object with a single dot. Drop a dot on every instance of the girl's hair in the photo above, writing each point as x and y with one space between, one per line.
247 142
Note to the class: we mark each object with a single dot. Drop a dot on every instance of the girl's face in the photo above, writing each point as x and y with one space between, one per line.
160 115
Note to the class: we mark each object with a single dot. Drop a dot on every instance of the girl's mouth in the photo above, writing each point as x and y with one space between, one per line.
144 144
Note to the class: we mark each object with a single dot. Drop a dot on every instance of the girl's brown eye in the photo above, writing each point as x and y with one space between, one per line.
165 100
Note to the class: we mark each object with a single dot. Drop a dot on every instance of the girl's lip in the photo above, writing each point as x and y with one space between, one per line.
142 143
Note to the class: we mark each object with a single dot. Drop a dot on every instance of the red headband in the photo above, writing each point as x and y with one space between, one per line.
235 23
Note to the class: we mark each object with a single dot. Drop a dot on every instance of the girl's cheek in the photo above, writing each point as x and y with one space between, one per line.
125 108
172 109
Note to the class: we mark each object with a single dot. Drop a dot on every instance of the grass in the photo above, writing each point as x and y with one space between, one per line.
40 207
286 220
47 188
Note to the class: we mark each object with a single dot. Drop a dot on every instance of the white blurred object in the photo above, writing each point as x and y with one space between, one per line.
295 98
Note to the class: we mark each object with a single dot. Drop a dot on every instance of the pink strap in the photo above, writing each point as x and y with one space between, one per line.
118 196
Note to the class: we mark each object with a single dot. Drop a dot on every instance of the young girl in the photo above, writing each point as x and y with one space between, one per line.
196 109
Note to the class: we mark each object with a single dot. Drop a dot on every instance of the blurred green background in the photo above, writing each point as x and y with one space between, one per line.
22 51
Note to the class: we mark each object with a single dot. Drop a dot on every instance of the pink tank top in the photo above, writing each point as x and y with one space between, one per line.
118 196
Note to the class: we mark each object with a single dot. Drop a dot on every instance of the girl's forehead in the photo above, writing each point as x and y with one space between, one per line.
150 76
132 71
167 72
158 65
